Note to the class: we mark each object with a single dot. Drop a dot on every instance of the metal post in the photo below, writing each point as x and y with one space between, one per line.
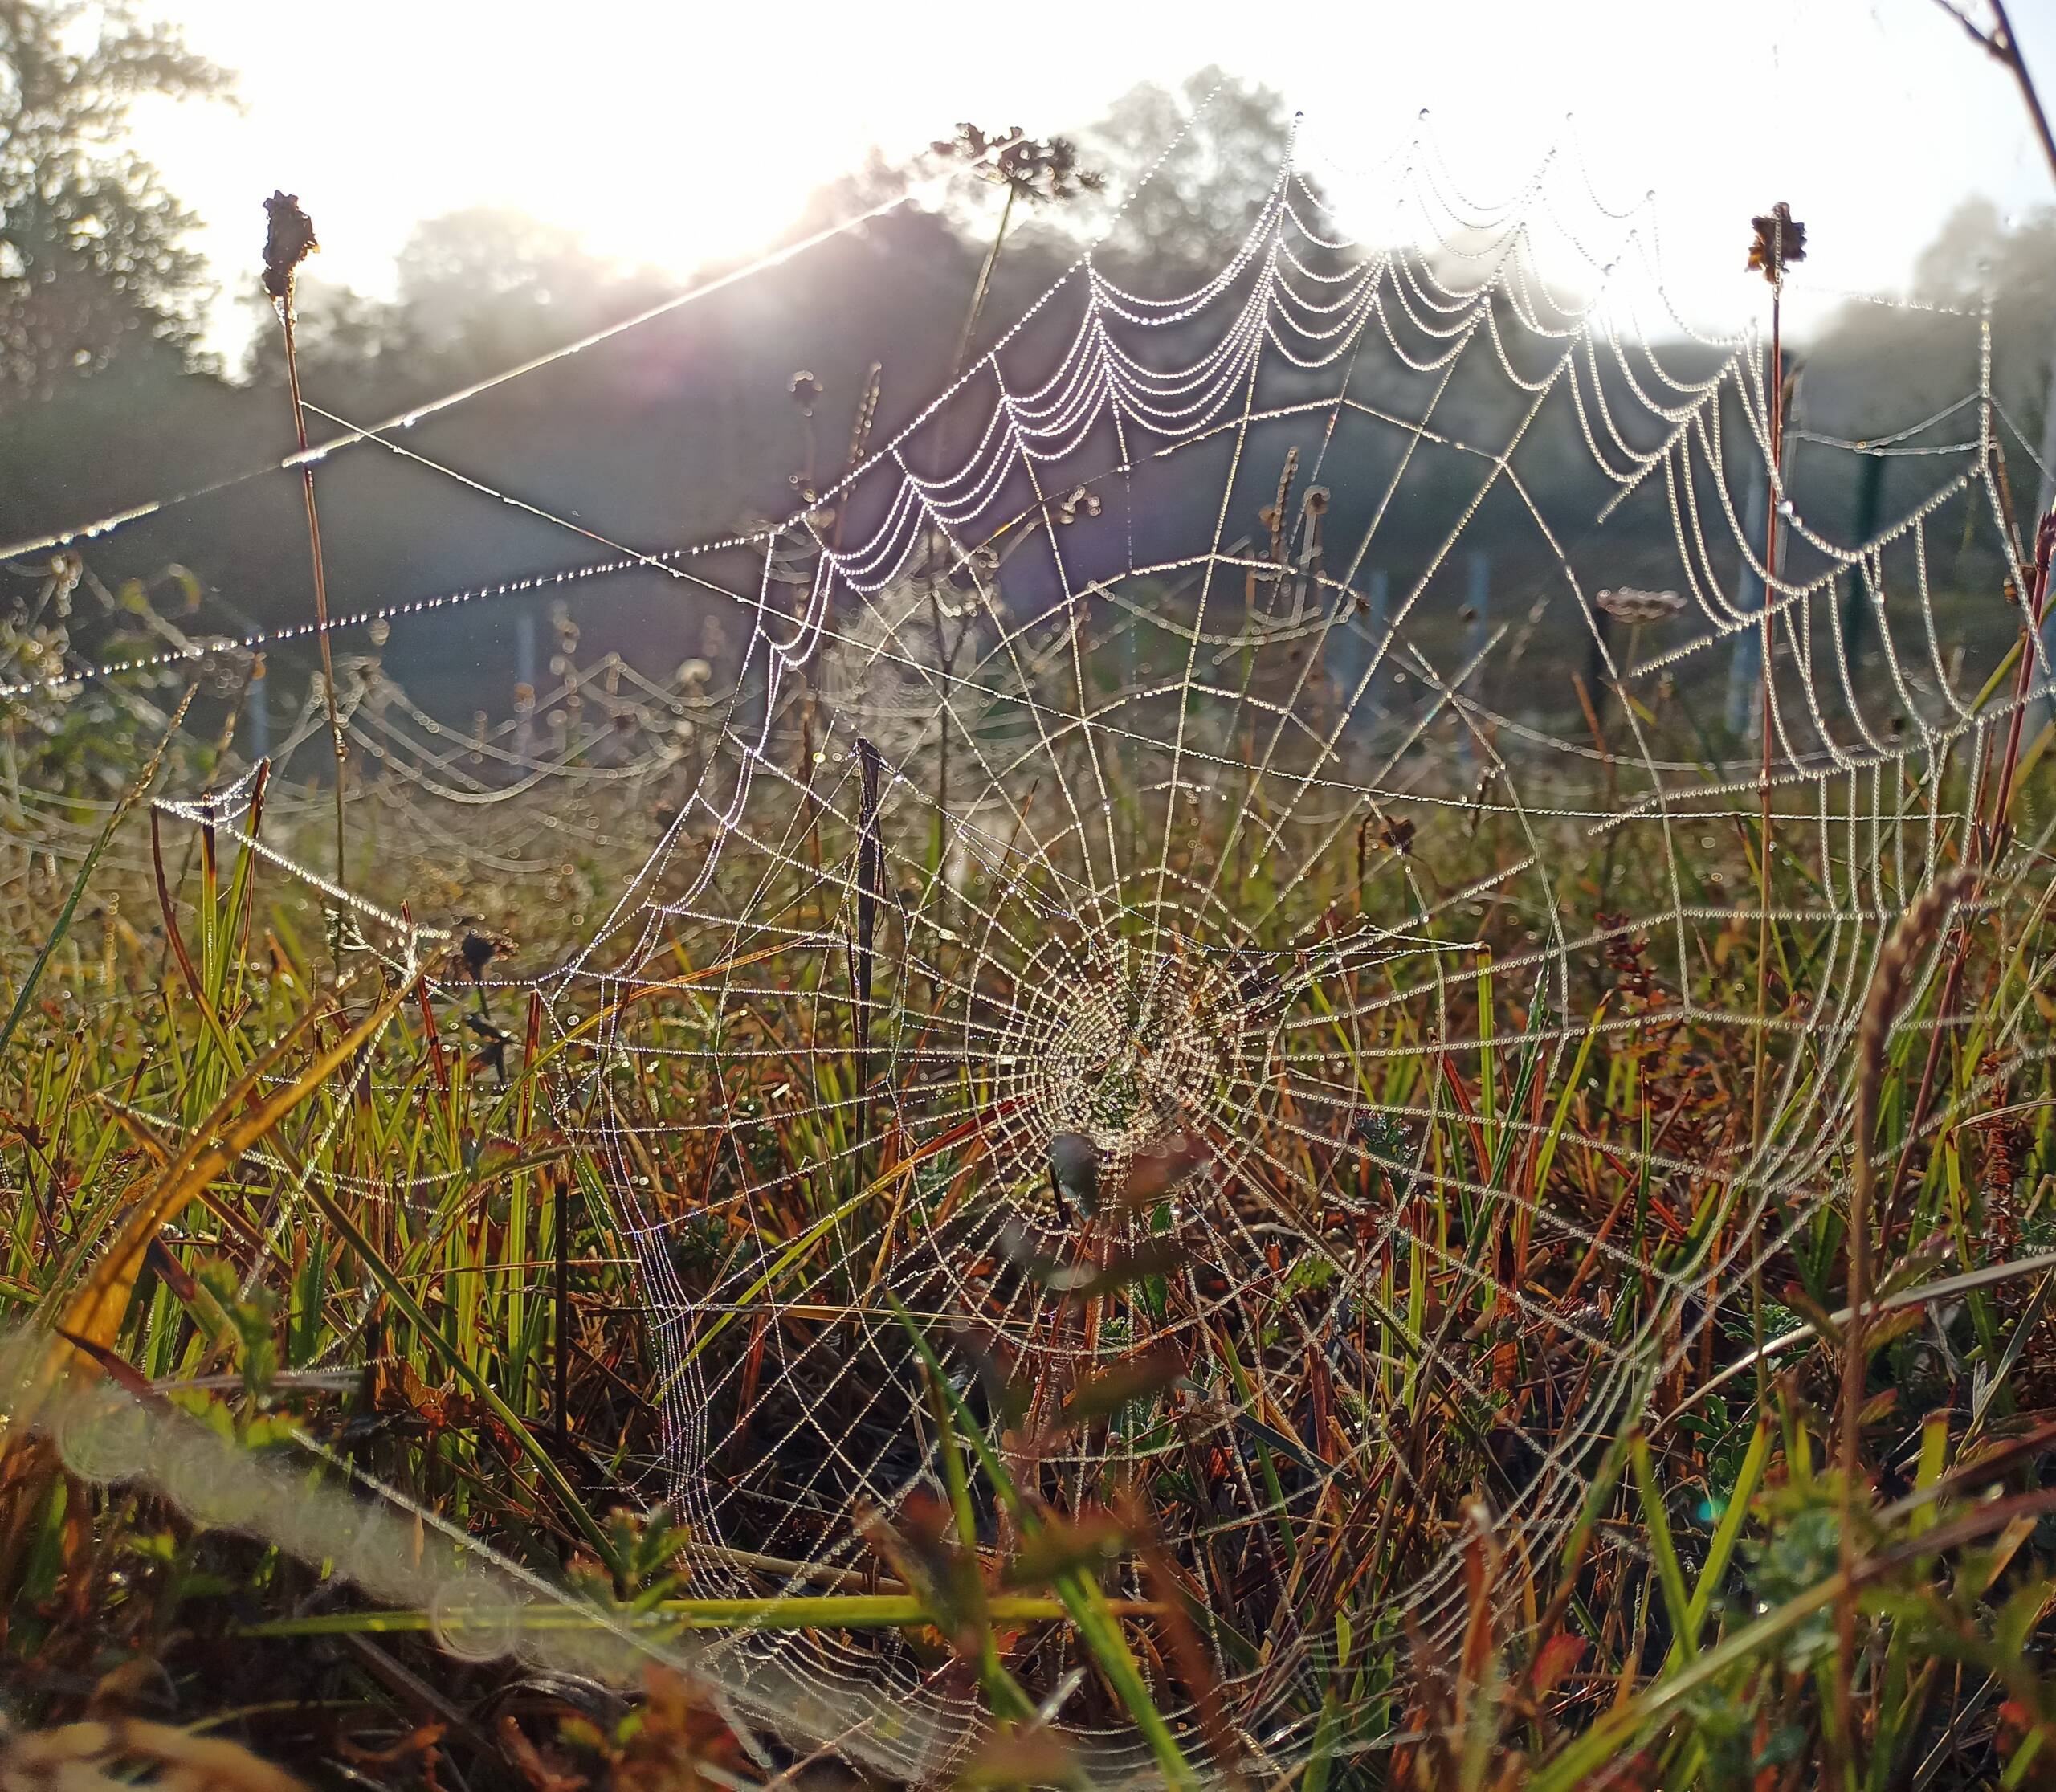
1745 670
524 678
1380 629
260 716
1479 601
1855 602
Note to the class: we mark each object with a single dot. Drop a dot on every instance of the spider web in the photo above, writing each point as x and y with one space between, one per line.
1137 746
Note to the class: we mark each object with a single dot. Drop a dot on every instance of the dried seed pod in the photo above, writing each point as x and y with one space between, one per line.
1780 239
289 239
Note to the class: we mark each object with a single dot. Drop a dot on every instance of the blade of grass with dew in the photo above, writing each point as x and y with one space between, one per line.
62 925
1669 1575
836 1611
396 1291
1665 1698
1008 1698
1081 1597
96 1310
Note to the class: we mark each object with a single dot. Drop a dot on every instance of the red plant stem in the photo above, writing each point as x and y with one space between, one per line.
320 579
1772 483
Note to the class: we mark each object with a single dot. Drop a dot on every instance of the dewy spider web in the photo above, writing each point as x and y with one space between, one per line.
1134 747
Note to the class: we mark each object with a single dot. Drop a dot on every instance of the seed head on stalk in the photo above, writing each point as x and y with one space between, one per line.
289 239
1780 240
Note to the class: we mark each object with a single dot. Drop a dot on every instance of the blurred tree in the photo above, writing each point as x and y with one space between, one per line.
1876 369
1978 252
499 286
1157 229
340 333
478 291
91 259
1215 177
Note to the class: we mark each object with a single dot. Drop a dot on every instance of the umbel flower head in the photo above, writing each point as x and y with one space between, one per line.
1035 171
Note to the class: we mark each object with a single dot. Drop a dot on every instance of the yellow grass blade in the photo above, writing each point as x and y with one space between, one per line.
95 1310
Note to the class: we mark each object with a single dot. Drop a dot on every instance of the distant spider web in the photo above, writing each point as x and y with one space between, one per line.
1136 746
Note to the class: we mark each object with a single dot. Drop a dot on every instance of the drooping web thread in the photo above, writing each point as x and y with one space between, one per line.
1271 731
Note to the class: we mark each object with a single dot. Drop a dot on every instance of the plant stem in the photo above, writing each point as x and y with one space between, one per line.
847 1611
2003 46
1773 484
946 649
321 580
979 292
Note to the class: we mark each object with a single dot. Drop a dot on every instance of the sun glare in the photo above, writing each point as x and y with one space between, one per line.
671 137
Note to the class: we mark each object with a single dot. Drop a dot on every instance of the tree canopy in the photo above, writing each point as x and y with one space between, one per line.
93 259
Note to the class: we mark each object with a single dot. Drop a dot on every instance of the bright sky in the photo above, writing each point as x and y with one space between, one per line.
669 134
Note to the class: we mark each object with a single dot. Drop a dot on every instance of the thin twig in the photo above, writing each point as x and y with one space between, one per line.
2003 46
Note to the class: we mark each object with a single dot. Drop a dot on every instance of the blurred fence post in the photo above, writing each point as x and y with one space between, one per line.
1380 628
1369 707
1478 605
524 679
254 700
1856 601
1747 667
1480 602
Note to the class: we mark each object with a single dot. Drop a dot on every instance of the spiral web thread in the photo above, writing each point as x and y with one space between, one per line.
1089 765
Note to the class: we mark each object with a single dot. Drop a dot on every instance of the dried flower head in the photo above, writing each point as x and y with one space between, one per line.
478 949
1632 606
1781 240
1036 171
289 239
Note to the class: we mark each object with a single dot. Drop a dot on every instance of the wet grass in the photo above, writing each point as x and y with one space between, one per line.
359 1222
